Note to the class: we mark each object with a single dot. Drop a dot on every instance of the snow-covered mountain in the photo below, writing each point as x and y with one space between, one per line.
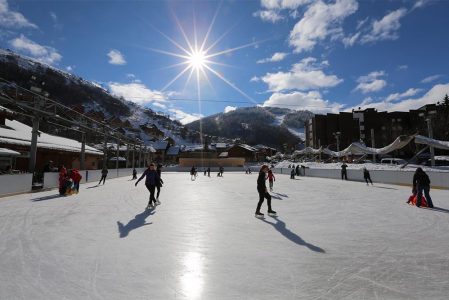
271 126
94 100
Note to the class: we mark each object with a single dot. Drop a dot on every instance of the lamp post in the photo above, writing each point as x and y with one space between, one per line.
337 137
428 119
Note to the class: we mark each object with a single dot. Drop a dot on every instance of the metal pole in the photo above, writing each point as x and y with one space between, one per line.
319 147
373 144
33 147
140 156
127 155
134 159
338 145
105 150
83 151
117 154
432 150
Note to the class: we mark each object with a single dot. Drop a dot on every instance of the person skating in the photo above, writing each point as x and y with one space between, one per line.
208 172
159 183
62 178
104 174
297 170
367 176
221 171
134 174
76 177
292 174
151 181
263 193
271 179
192 173
421 182
344 174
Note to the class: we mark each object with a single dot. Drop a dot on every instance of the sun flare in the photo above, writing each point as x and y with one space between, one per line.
197 60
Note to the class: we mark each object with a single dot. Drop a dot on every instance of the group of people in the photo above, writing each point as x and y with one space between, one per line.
194 172
69 181
366 174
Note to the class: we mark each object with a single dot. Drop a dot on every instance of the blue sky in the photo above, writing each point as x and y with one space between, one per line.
324 56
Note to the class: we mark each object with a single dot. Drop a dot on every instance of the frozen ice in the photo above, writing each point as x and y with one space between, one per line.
332 239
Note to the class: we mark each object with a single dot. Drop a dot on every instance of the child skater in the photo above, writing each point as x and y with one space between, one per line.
263 193
152 179
271 179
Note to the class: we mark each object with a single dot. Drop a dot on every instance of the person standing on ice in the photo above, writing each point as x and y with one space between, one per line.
104 174
263 193
208 171
344 174
367 176
271 179
76 177
421 182
297 170
192 173
134 174
159 183
292 174
151 181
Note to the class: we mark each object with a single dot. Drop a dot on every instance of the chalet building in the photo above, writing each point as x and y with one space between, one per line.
16 136
153 131
264 151
172 155
242 150
161 148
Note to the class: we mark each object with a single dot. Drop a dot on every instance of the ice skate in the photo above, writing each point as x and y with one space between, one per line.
158 202
272 213
259 215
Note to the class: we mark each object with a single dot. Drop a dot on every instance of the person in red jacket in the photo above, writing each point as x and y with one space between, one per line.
76 177
271 179
62 179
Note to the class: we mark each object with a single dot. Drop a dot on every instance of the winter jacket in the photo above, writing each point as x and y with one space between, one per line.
420 179
261 187
76 176
152 178
104 172
271 176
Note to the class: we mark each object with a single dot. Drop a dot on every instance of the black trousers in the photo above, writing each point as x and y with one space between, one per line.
158 188
344 175
151 188
103 178
263 195
368 178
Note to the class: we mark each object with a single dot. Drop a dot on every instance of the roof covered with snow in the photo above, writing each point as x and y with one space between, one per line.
16 133
246 147
160 145
173 150
8 152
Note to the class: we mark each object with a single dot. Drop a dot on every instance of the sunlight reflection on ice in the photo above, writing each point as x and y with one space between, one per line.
192 275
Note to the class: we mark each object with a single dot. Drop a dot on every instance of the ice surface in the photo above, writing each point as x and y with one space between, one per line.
332 240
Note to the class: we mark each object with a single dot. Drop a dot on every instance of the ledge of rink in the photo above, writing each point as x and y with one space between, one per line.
22 183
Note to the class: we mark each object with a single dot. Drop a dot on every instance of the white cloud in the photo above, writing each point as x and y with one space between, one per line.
319 22
136 92
305 75
283 4
116 57
349 41
159 105
254 79
278 56
421 3
268 15
402 67
184 117
311 100
371 82
397 96
69 68
431 78
386 28
229 108
13 19
131 75
45 54
436 93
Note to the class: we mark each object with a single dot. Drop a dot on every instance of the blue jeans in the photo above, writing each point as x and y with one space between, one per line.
426 190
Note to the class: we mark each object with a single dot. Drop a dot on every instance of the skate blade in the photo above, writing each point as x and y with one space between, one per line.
272 215
259 217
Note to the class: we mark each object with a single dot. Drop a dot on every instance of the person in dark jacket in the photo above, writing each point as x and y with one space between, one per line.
134 174
104 174
263 192
297 170
159 183
151 181
421 182
367 176
208 171
344 173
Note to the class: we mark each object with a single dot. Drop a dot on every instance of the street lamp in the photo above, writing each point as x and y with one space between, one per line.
337 137
428 119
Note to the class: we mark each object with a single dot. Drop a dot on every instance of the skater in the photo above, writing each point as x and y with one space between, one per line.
367 176
292 174
76 177
192 173
344 174
297 170
271 179
151 181
159 183
263 193
205 172
421 182
221 171
62 177
134 174
208 172
104 174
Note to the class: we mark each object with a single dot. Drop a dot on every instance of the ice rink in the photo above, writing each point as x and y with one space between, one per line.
331 240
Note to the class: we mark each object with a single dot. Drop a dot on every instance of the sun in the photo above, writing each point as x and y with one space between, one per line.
197 60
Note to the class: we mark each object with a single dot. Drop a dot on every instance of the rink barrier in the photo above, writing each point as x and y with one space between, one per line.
15 184
439 180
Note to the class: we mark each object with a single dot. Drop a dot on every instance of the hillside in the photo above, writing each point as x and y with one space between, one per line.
93 100
271 126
